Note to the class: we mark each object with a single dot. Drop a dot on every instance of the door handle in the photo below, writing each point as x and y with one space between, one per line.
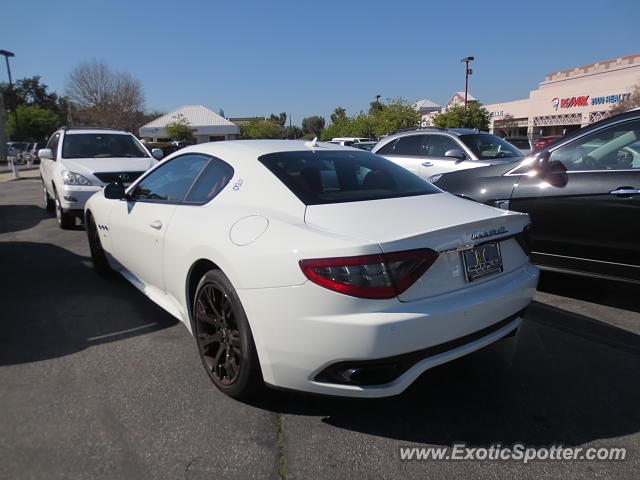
157 224
427 164
625 191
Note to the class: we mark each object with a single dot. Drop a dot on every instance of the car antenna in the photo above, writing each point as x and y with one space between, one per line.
313 143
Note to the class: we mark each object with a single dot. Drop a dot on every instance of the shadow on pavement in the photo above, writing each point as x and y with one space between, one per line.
14 218
595 290
563 379
53 304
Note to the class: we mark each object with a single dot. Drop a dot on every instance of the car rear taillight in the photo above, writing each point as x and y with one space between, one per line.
383 275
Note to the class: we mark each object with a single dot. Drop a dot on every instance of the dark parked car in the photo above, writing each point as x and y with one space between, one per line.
582 193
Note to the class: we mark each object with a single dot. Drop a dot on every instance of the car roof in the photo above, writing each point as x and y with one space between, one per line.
428 130
260 147
93 130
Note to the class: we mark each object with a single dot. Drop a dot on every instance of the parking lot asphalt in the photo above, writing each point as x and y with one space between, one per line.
98 382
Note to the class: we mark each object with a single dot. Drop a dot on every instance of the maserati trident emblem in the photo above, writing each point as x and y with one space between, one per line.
124 177
487 233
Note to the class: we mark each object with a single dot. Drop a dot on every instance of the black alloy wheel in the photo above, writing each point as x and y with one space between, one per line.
224 338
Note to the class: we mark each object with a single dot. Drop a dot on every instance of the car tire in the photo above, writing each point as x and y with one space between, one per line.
65 220
224 339
49 203
98 257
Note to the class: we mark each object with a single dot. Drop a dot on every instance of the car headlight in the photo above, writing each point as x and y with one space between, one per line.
435 178
70 178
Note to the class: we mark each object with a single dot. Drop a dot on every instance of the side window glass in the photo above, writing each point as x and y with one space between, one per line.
213 179
616 147
53 145
438 145
171 181
387 149
410 145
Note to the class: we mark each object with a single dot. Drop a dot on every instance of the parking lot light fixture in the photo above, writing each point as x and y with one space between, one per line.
467 72
8 54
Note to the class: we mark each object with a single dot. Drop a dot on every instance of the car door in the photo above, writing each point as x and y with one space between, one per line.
47 165
137 224
434 147
587 216
407 151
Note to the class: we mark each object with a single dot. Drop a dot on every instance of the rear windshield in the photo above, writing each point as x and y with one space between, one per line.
489 147
318 178
101 145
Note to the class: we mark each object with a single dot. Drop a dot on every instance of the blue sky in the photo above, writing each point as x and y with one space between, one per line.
306 58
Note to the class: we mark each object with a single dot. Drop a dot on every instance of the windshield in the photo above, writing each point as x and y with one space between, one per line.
101 145
489 147
318 178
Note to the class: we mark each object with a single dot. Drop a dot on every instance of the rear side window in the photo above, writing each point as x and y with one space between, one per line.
211 181
387 149
318 178
411 145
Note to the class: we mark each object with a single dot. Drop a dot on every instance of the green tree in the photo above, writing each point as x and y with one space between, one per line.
292 132
180 129
475 116
338 114
312 126
35 123
392 116
279 119
31 92
261 128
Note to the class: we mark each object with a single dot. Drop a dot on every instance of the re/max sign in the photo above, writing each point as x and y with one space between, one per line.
610 99
574 102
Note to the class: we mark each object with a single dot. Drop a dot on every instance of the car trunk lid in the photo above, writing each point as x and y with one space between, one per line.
441 222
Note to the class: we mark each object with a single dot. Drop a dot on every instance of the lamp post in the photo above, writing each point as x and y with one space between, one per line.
378 102
8 54
467 72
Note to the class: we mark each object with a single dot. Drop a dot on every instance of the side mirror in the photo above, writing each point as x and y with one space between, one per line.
157 153
45 153
114 191
455 153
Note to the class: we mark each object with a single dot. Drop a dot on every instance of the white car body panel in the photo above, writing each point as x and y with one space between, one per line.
256 231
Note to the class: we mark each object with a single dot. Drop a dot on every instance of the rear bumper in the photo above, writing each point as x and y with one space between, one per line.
301 331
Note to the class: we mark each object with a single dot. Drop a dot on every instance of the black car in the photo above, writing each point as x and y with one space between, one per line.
582 193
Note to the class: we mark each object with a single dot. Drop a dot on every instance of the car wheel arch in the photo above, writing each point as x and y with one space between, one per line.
195 273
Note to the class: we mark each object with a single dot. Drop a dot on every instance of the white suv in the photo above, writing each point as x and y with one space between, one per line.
79 162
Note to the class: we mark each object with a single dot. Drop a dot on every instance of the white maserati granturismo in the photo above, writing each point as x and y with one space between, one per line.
312 266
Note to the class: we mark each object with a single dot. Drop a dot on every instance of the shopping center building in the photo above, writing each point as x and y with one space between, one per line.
568 100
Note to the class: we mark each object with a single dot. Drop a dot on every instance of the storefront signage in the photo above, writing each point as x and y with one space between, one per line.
583 101
621 97
570 102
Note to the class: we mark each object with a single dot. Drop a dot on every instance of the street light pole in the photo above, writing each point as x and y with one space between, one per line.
8 54
378 102
467 72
